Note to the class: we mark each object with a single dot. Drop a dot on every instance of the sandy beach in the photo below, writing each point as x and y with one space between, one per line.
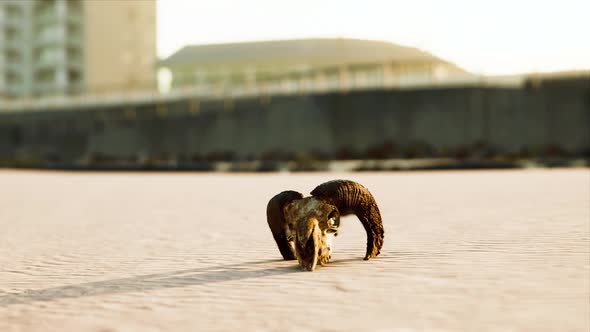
464 251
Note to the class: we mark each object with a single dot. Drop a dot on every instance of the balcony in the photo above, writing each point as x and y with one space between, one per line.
47 88
45 39
13 66
13 89
75 88
71 39
75 18
11 21
48 17
15 44
75 62
74 39
49 62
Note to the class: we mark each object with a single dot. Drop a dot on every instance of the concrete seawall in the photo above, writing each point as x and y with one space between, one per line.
546 119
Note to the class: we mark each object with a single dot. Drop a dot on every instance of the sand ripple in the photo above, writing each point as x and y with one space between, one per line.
464 251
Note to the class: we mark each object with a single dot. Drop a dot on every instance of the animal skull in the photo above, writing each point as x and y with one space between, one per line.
312 225
303 228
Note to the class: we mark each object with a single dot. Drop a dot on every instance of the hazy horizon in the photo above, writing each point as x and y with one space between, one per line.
502 38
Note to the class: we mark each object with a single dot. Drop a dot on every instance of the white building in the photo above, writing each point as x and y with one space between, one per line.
307 64
65 47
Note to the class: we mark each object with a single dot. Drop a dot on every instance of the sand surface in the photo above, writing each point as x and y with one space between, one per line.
464 251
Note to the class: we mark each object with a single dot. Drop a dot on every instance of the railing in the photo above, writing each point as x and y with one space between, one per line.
11 20
11 43
260 90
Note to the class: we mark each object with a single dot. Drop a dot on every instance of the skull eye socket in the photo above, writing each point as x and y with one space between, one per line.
333 215
333 221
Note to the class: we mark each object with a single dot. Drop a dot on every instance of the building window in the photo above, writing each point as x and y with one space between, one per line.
13 78
45 8
45 76
13 56
13 11
74 53
74 75
74 6
74 31
11 34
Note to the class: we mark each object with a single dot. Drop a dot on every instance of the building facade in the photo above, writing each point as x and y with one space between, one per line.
307 64
69 47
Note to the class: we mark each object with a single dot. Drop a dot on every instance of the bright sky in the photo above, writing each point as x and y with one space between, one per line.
488 37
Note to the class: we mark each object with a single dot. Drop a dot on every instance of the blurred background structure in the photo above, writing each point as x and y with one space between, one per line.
295 65
70 47
82 87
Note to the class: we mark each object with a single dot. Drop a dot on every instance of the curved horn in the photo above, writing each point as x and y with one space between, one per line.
352 198
275 217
